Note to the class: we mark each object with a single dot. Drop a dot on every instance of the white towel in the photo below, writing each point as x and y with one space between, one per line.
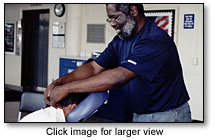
49 114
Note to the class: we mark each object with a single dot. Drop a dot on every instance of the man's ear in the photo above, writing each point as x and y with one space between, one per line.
133 11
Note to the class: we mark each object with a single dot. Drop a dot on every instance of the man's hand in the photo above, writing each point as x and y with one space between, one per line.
57 94
82 72
48 91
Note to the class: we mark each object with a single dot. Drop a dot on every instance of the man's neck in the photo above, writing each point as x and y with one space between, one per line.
140 23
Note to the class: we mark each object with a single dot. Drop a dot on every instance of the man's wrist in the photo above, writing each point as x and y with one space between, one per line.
57 82
66 89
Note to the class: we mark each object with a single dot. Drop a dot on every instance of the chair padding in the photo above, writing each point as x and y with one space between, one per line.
32 101
87 107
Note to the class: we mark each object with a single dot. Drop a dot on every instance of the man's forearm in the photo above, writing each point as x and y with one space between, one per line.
101 82
83 72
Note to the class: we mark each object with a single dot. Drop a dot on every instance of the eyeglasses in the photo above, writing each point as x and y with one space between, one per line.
114 20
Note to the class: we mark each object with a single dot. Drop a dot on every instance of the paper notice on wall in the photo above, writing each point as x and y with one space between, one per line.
58 35
58 41
58 28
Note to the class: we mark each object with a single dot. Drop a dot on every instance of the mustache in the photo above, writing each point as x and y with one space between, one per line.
116 27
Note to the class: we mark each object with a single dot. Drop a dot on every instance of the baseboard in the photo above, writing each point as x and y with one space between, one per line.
13 87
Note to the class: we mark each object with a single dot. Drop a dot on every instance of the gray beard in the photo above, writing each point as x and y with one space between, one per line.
127 29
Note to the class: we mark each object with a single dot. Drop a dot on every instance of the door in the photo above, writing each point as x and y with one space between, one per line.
35 50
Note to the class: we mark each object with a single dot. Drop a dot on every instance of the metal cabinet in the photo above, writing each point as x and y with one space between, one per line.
67 65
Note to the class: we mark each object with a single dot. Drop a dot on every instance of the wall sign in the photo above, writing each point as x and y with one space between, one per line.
189 21
58 35
10 37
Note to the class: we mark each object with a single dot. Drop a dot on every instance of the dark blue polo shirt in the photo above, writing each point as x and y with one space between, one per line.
153 56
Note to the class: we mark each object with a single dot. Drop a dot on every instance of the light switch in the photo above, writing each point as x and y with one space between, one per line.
195 61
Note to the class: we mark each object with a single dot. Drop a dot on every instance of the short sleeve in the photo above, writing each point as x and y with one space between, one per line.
147 59
108 58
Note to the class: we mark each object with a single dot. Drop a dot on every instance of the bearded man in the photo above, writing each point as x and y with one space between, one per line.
141 60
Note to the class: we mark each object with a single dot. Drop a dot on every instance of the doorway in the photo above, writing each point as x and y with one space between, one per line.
35 25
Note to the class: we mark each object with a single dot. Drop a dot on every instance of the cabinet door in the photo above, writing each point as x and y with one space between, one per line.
68 65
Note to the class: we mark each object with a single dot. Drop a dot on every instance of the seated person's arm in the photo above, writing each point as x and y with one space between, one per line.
83 72
103 81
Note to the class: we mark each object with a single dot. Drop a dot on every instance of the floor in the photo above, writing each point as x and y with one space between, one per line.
11 111
11 106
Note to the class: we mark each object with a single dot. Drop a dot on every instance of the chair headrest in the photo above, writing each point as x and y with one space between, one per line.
87 107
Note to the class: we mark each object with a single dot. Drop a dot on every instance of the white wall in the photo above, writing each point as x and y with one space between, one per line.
189 42
94 17
190 46
12 62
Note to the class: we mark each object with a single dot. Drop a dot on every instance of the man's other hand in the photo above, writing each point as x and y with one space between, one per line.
57 94
48 91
